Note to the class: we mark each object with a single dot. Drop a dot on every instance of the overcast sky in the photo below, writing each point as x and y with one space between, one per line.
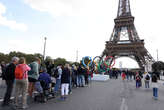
72 25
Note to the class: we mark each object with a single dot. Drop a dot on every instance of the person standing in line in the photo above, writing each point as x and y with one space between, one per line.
155 86
65 78
80 72
33 75
9 77
3 68
58 79
0 71
70 80
21 87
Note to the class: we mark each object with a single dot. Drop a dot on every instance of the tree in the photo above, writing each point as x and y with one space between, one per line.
158 66
60 61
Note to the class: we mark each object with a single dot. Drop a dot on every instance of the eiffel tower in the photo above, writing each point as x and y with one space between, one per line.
124 40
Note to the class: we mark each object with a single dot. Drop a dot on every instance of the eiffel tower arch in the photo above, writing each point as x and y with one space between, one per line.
124 40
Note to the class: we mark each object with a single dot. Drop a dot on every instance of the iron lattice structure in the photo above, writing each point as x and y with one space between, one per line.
124 40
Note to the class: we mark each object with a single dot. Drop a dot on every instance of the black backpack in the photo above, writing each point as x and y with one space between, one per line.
6 72
147 77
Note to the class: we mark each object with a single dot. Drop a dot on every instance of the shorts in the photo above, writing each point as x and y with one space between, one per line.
32 80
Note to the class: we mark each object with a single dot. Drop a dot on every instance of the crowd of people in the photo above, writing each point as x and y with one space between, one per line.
38 82
140 78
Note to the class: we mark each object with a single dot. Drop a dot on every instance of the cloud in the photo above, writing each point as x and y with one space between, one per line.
54 7
72 7
10 23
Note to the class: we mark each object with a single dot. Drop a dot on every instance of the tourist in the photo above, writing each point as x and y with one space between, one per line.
45 78
58 78
33 75
123 75
0 71
65 78
74 76
21 87
9 77
155 86
138 80
70 80
146 79
3 69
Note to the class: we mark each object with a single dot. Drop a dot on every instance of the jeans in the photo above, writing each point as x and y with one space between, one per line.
81 80
89 78
10 84
127 76
77 80
137 84
57 85
146 84
155 92
70 84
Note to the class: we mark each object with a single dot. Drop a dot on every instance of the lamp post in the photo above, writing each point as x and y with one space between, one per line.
157 55
44 48
77 56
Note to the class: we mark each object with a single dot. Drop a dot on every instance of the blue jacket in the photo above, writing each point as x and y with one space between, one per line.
46 78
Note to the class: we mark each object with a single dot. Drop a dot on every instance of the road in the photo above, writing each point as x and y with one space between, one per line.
108 95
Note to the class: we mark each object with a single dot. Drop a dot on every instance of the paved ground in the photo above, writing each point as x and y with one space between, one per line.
108 95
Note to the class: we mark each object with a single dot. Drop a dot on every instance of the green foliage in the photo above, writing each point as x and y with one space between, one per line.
29 57
158 66
60 61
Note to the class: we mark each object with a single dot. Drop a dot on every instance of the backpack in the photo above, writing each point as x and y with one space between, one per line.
147 77
138 78
56 75
7 72
19 72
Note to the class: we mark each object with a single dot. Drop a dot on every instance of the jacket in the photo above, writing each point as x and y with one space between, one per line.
65 77
34 72
45 77
25 68
10 72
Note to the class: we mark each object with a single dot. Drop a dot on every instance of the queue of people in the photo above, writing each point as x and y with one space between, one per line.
29 78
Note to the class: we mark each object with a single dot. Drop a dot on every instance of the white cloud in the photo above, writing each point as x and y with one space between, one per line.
72 7
54 7
10 23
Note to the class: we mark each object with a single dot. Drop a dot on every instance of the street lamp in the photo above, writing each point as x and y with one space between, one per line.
44 48
157 55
